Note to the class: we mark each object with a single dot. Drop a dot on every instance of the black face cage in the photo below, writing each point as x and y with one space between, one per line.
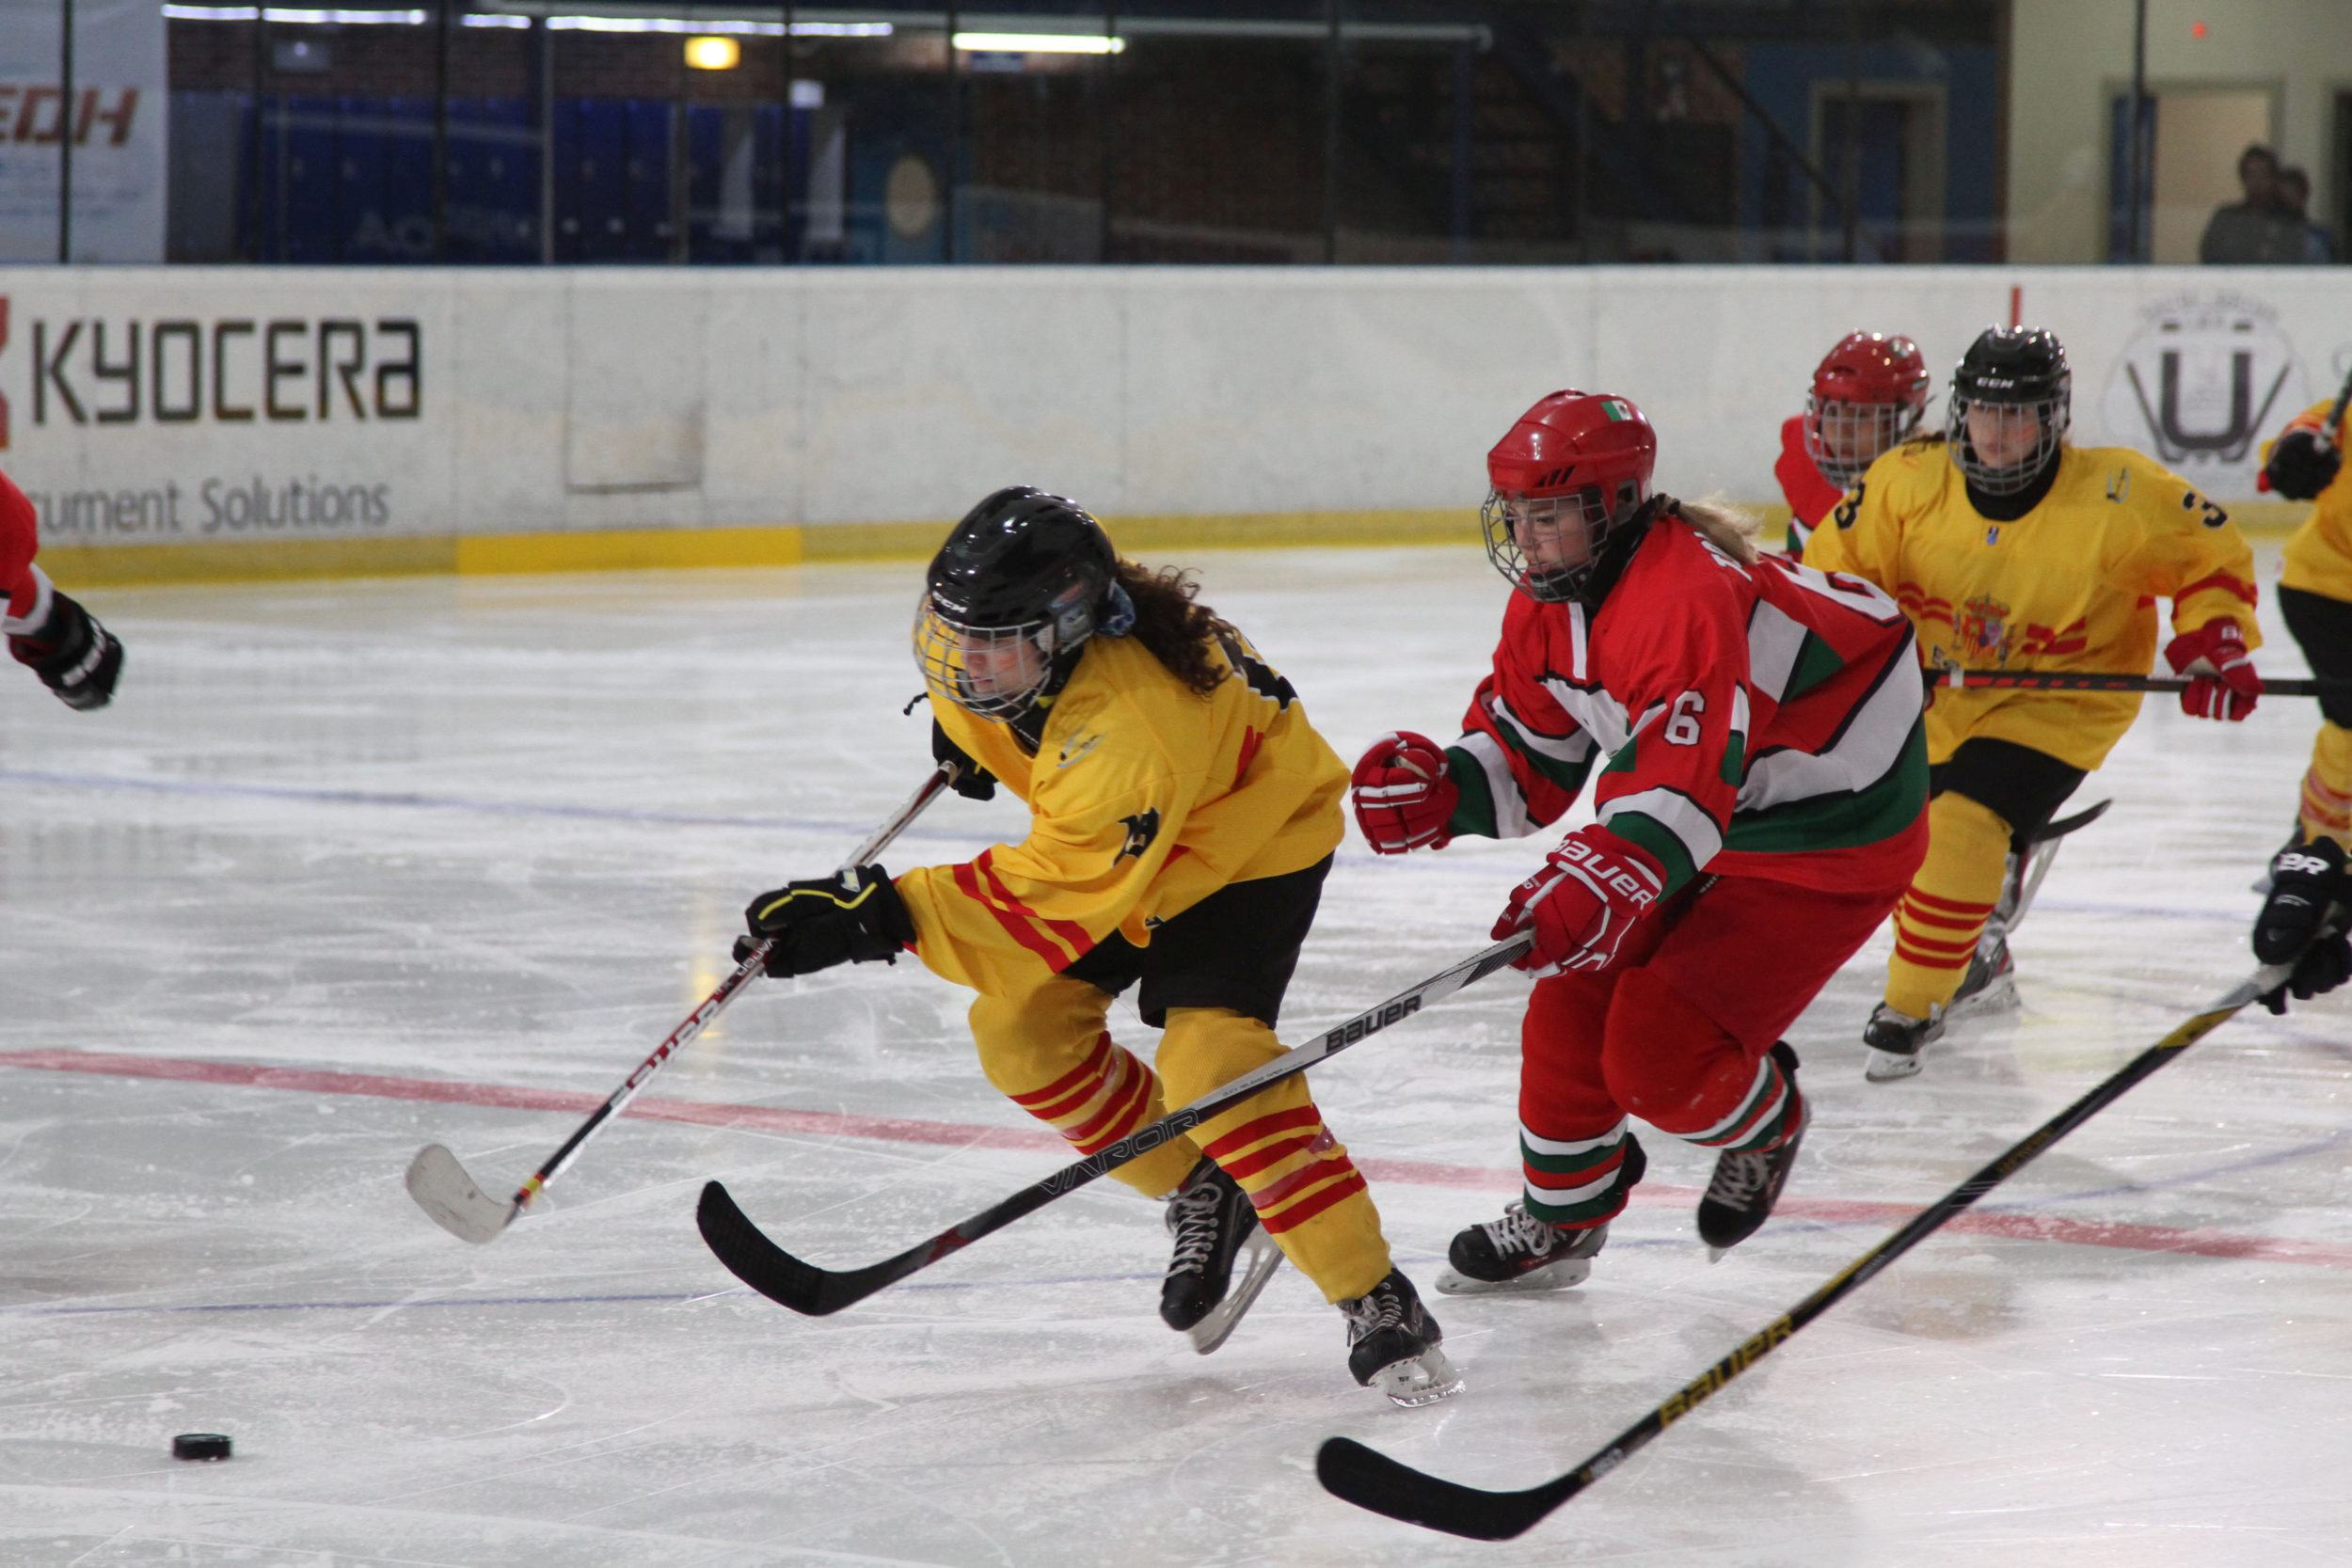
2051 415
998 672
1570 528
1845 439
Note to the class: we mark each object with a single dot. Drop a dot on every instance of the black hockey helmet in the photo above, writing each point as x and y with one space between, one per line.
1018 588
2012 368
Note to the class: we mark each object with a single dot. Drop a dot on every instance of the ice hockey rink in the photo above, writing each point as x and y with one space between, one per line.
351 868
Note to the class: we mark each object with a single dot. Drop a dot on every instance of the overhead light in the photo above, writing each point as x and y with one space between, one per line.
713 53
1040 43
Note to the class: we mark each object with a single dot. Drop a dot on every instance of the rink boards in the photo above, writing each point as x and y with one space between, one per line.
248 423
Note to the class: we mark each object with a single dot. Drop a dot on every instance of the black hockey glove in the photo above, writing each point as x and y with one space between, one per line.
2303 921
2299 467
828 920
74 657
972 781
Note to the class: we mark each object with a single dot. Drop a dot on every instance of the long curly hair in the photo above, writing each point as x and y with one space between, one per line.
1182 633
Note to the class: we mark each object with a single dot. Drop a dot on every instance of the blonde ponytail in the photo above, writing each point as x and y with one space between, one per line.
1722 525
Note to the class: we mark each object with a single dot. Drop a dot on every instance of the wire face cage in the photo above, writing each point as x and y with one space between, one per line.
1844 438
2005 427
994 671
1545 545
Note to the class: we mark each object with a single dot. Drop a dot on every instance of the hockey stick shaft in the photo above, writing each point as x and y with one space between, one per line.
1373 1480
752 965
2059 680
775 1273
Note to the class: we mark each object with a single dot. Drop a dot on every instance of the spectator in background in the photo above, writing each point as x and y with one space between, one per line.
2295 197
2256 230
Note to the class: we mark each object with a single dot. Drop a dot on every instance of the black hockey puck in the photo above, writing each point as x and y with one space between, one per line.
199 1445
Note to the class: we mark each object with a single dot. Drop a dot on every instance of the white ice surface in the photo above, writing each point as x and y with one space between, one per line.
496 833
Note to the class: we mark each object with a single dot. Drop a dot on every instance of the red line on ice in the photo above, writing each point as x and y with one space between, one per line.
2011 1224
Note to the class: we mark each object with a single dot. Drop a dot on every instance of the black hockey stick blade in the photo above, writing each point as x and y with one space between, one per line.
1370 1480
789 1281
2065 825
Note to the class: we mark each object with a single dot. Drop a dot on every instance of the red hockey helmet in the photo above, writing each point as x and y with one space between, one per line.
1868 394
1572 469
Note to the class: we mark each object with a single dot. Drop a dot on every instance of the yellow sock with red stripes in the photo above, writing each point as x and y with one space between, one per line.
1309 1195
2327 810
1943 912
1048 1051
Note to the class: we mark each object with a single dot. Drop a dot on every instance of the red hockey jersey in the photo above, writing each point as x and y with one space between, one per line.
1811 495
1760 721
24 591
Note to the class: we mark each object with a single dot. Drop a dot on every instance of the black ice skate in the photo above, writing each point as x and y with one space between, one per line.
1392 1344
1215 1228
1990 984
1740 1197
1522 1254
1519 1253
1895 1040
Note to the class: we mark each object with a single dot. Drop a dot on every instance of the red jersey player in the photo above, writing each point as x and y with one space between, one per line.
74 657
1753 729
1869 394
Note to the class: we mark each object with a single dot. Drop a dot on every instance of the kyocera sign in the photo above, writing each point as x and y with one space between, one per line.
101 370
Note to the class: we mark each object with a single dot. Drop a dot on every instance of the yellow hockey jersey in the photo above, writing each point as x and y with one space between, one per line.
1145 798
2319 556
2071 585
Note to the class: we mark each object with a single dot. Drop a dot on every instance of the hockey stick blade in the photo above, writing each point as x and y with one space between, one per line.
792 1282
2065 825
457 1204
453 1200
1370 1480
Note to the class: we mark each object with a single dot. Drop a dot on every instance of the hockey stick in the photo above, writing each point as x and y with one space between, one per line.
775 1273
1372 1480
458 1205
2060 680
2041 854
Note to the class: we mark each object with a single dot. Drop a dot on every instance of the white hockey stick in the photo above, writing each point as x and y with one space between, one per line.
457 1203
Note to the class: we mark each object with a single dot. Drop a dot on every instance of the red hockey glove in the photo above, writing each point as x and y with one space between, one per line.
2223 684
1587 896
1402 796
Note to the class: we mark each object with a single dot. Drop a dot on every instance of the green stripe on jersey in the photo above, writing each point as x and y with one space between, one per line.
1877 811
1660 841
1569 776
1734 769
1474 808
1817 661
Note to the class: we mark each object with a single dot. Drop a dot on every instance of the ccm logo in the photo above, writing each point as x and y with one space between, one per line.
1371 1024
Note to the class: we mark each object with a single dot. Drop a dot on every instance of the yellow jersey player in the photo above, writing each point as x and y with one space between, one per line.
1183 816
2011 550
2306 463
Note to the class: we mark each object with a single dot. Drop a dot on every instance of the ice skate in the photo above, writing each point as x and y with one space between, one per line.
1990 984
1520 1254
1741 1195
1895 1040
1214 1229
1392 1344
